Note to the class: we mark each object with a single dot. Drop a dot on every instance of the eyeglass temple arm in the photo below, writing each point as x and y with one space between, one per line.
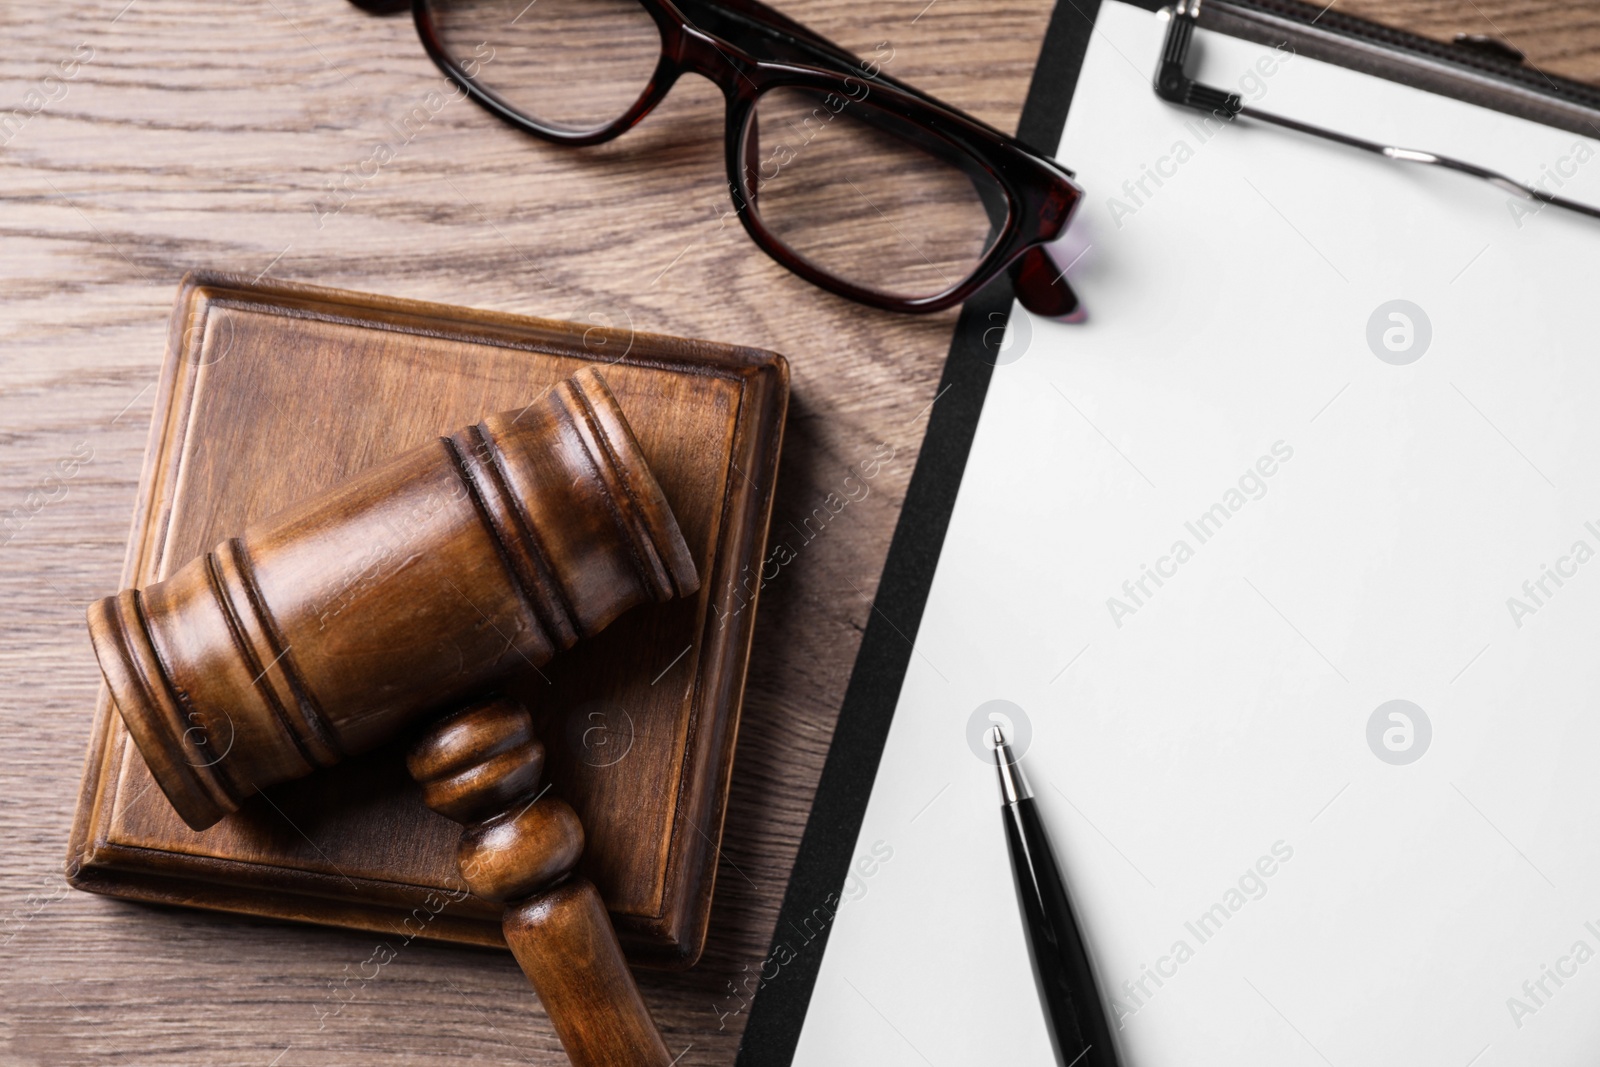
1041 286
1174 85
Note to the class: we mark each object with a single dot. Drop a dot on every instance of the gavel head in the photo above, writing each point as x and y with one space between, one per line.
322 631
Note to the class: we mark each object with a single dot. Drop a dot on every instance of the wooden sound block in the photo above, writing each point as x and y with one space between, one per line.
273 392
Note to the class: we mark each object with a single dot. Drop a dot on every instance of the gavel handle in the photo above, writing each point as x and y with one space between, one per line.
481 767
566 945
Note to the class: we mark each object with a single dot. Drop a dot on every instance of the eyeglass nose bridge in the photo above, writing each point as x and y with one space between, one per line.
726 66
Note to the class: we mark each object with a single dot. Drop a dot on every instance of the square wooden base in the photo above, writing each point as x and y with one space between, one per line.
270 393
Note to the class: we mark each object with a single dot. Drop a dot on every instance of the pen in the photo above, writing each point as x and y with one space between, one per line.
1067 990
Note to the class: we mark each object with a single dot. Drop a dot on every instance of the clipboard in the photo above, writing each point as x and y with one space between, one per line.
782 995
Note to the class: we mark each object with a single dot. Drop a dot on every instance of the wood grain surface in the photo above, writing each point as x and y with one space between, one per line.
196 134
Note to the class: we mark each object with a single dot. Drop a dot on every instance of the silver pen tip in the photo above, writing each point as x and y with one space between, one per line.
1013 783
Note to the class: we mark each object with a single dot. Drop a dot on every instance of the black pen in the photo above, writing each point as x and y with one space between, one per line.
1067 989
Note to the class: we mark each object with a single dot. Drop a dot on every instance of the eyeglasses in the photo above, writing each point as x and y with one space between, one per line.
854 181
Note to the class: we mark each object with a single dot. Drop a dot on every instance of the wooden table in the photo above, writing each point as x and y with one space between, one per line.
204 134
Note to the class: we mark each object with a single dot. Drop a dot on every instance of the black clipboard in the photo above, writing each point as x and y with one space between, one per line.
1466 72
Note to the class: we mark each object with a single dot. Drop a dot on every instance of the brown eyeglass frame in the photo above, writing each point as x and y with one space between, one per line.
746 49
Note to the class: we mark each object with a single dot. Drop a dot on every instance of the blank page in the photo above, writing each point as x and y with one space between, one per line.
1285 562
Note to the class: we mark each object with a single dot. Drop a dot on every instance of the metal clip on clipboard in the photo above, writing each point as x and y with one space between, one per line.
1173 84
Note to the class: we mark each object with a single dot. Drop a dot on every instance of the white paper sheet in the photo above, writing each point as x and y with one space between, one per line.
1219 728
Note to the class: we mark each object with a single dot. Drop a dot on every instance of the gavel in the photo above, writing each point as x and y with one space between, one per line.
407 592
